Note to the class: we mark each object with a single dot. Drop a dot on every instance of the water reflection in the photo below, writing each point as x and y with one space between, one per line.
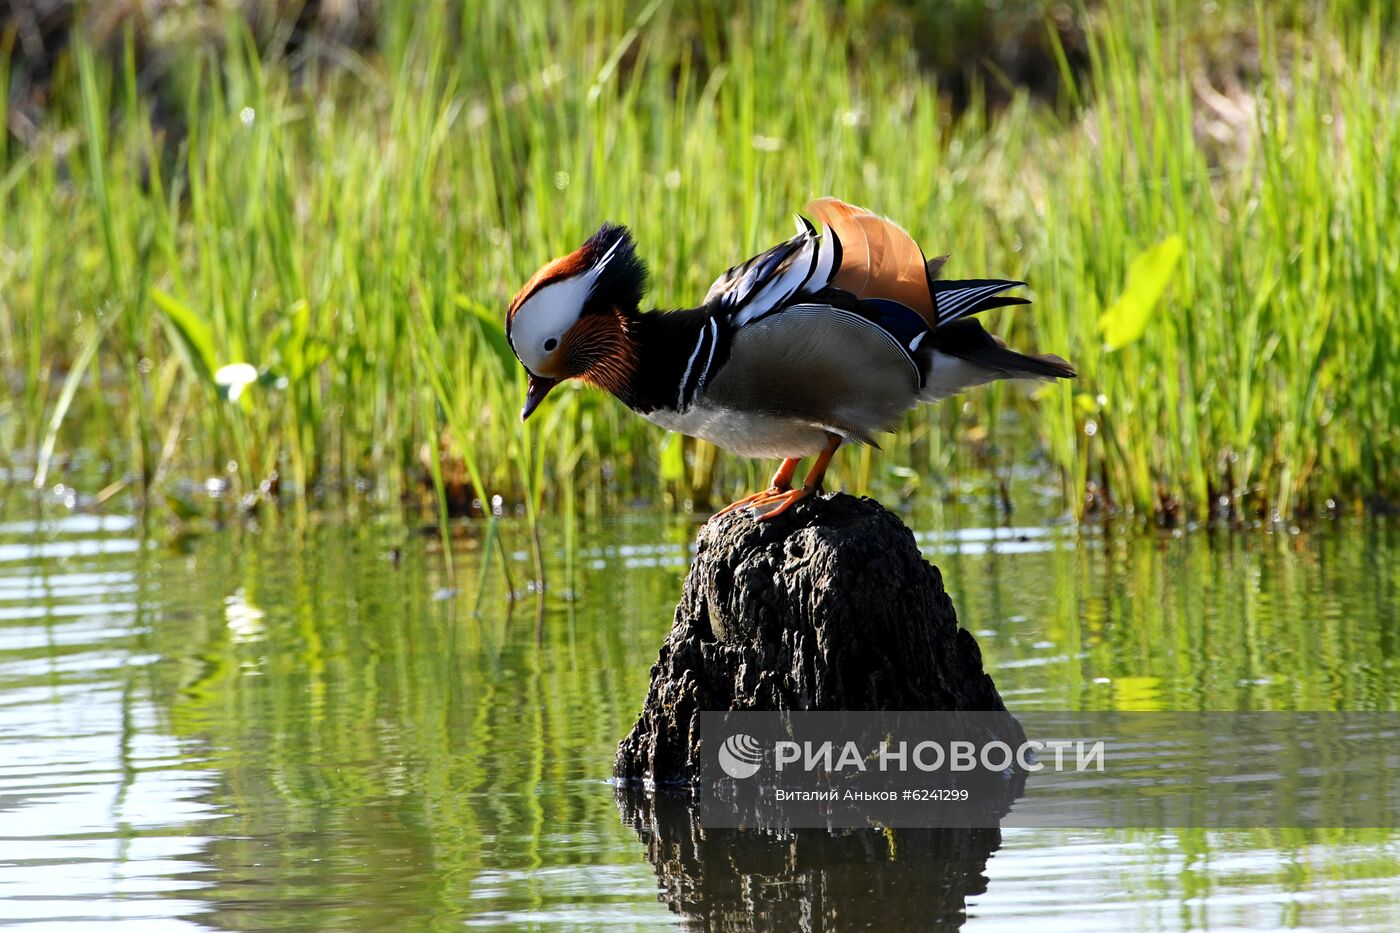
281 727
809 880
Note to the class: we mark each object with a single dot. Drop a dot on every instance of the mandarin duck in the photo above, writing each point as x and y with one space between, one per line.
826 338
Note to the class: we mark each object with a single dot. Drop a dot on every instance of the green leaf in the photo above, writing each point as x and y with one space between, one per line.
183 507
293 342
190 335
65 397
489 323
672 458
1148 276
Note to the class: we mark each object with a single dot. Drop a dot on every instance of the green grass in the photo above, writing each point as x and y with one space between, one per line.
355 229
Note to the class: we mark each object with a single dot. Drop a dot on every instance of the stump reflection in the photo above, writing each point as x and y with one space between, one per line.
725 879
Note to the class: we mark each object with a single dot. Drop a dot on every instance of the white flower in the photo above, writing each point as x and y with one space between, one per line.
234 378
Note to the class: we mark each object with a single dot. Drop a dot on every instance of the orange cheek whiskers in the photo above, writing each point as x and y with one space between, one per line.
600 351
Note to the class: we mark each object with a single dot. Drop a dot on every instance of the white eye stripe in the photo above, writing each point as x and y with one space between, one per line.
547 315
552 309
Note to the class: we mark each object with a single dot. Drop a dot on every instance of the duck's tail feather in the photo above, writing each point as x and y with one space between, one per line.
962 354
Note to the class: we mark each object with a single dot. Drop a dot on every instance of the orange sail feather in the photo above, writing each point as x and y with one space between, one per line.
878 258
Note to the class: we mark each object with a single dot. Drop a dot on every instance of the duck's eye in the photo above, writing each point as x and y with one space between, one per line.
550 344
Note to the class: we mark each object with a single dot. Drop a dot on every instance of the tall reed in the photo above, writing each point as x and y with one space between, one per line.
354 229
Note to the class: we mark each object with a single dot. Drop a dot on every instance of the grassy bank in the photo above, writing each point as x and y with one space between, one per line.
1212 236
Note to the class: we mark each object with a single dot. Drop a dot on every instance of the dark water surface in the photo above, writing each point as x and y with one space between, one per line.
280 729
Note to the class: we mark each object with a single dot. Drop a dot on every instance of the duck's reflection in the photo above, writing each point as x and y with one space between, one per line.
807 879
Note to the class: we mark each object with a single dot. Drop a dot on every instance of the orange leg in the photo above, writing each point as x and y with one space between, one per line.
784 501
782 482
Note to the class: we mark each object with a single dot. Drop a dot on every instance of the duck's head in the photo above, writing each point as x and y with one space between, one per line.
570 321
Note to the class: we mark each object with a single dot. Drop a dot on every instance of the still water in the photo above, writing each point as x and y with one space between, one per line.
314 727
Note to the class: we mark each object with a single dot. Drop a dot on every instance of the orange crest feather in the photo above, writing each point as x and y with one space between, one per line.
552 271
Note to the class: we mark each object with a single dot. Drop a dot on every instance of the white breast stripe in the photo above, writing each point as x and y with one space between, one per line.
690 364
714 342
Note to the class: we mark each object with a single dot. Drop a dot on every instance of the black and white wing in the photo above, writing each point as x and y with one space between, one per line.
781 290
794 269
846 328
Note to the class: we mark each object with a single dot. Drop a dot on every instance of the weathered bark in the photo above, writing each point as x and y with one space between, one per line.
829 607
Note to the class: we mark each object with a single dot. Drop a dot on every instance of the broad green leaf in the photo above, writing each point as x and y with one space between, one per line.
293 345
1148 276
672 459
489 322
190 335
183 507
65 398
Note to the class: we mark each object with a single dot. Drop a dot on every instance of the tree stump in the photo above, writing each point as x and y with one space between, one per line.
827 607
